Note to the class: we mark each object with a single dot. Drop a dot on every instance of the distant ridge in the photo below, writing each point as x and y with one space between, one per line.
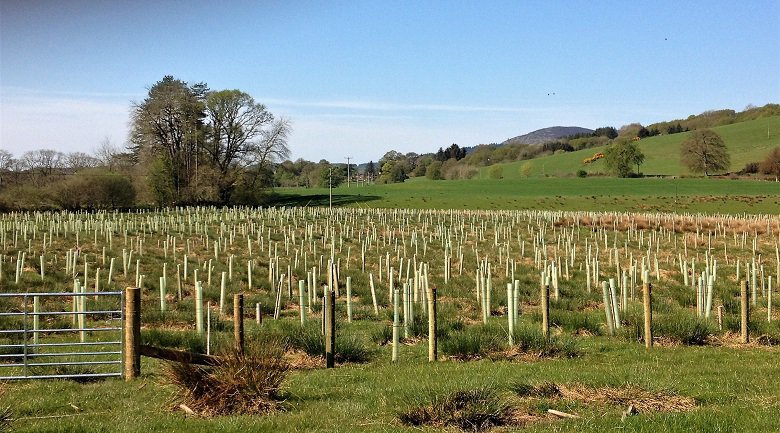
545 135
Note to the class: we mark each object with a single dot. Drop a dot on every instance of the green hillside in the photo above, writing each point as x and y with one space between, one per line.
747 142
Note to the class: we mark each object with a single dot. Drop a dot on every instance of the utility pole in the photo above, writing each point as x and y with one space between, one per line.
348 158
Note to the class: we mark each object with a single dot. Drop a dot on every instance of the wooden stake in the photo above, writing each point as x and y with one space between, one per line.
238 322
646 289
132 357
330 328
432 325
745 312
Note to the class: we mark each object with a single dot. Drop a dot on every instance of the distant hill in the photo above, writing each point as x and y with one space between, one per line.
748 141
547 134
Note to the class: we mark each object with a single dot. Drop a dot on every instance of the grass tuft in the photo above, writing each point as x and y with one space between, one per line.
248 383
469 410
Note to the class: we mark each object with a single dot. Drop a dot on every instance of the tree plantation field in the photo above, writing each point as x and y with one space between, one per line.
591 194
747 142
496 370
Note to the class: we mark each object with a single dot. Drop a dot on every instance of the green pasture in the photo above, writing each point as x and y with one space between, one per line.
747 142
736 391
681 195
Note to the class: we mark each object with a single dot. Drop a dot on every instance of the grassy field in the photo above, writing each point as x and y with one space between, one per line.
731 387
747 142
588 194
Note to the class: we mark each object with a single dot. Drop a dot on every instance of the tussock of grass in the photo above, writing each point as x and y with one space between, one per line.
248 383
474 342
529 340
684 328
469 410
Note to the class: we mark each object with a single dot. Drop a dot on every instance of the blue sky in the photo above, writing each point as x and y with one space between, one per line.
361 78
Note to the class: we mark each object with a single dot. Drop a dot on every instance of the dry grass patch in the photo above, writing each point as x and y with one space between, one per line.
642 400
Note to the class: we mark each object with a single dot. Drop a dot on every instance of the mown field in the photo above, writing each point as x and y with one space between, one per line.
747 142
696 377
685 195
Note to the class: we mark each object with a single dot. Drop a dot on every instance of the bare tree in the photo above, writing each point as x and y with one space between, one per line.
80 160
235 123
7 163
273 145
704 151
107 153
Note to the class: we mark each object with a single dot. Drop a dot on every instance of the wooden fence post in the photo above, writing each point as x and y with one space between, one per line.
432 325
546 311
132 356
745 319
238 322
330 328
647 288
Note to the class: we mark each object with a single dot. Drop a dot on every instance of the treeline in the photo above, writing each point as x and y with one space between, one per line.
713 118
49 180
188 145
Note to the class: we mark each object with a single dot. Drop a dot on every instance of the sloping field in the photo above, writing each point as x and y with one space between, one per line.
747 142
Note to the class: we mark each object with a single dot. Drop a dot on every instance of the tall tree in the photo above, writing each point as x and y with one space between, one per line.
235 125
704 151
620 157
169 123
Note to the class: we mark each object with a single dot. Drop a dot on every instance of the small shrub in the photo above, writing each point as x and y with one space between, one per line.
248 383
582 173
469 410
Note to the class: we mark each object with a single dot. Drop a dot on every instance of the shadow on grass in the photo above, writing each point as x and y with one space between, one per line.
303 200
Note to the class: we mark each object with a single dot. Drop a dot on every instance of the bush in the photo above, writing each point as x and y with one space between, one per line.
248 383
582 173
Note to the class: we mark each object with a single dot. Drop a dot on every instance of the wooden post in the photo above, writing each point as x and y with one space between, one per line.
330 328
238 322
396 322
744 297
132 357
349 299
302 300
647 288
546 311
432 325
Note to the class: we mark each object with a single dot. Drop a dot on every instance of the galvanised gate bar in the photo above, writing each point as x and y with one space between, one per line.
61 335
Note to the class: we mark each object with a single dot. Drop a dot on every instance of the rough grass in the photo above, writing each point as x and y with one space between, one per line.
240 383
469 410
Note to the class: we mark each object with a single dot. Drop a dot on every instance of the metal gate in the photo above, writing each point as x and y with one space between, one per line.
61 335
